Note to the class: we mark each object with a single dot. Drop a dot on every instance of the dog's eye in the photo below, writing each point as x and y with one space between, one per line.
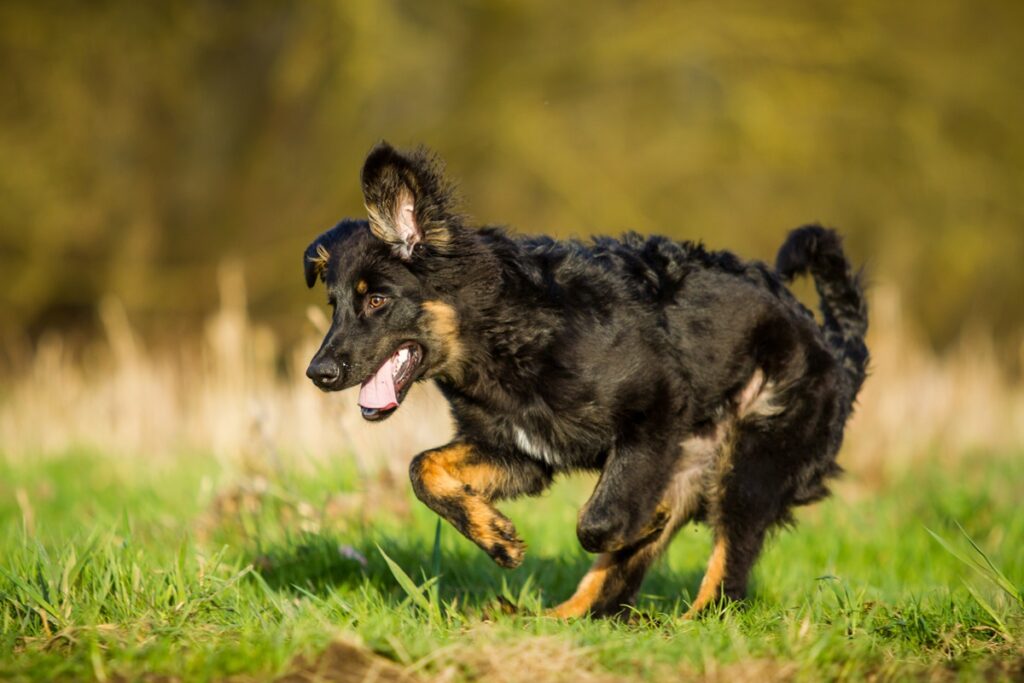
375 301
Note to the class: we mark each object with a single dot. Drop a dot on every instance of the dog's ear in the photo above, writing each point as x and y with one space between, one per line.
408 200
315 262
318 253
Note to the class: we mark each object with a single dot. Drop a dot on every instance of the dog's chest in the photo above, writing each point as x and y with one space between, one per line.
534 446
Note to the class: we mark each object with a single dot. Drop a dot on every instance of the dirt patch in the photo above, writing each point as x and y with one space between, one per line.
526 660
346 661
544 659
761 670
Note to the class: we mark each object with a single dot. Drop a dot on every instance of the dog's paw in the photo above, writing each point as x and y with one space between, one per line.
505 547
508 554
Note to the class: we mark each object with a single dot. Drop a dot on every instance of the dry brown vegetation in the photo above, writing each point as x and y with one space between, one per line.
224 394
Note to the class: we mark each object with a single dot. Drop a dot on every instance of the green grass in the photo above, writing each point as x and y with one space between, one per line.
114 568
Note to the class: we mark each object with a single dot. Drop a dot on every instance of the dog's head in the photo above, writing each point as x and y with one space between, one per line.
391 282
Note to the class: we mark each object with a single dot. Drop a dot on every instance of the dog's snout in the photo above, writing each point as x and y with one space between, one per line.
325 372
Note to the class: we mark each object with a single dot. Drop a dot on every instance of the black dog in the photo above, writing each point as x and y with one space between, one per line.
697 385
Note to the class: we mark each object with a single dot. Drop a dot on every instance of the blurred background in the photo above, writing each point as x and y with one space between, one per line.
165 164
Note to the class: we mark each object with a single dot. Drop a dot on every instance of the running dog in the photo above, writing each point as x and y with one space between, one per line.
694 382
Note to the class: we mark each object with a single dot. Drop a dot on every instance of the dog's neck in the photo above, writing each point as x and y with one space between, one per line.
504 325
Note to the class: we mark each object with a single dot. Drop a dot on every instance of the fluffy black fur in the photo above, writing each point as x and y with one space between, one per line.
694 382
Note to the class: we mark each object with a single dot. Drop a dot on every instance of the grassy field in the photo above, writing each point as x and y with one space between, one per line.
207 514
118 568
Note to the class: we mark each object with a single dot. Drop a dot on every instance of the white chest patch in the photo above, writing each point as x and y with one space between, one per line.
533 448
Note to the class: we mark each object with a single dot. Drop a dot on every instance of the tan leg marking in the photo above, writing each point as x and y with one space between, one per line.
447 472
587 592
448 476
712 581
436 471
680 502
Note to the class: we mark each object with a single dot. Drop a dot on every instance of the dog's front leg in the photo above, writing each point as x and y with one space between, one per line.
460 483
624 508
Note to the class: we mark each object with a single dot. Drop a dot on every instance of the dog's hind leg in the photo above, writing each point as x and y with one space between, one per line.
460 483
611 585
749 499
738 542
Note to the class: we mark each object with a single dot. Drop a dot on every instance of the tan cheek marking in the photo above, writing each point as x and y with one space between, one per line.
362 287
443 325
712 580
588 591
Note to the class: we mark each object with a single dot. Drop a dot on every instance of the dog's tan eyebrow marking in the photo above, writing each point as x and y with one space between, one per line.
362 287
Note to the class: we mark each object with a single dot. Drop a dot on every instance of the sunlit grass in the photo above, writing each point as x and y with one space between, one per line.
113 569
210 514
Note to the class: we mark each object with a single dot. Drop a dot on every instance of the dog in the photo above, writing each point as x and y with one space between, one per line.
693 382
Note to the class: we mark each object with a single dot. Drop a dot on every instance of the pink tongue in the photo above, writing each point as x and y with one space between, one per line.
378 392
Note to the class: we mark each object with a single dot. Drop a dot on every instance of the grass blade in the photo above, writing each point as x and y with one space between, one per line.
987 606
415 593
435 564
35 595
435 557
987 568
994 574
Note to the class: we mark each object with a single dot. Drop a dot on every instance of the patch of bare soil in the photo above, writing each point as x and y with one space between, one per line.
345 661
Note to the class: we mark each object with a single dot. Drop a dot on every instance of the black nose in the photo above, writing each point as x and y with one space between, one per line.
325 372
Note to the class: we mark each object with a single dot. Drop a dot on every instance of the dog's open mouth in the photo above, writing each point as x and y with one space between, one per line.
384 390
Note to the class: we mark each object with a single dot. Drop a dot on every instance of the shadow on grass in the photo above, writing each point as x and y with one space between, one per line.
323 563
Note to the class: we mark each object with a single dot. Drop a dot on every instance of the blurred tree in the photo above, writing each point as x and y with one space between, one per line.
143 143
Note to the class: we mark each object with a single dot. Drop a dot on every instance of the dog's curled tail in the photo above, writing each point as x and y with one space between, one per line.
819 251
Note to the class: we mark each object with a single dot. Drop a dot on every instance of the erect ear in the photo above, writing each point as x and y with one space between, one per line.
408 200
318 253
